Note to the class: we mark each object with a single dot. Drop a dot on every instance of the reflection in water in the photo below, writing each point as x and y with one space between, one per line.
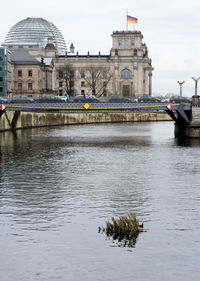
123 230
58 184
187 142
121 242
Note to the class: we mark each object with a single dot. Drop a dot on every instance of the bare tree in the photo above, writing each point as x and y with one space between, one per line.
65 74
96 79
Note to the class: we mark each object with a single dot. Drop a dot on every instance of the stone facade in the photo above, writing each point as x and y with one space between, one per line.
32 81
29 76
126 71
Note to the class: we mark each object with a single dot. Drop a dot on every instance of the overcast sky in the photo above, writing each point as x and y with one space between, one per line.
171 30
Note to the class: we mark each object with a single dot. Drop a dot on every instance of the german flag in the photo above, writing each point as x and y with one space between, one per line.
131 20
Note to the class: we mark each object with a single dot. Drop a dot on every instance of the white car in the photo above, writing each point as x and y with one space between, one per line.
62 98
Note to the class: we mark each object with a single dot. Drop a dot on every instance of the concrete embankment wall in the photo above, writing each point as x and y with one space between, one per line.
20 120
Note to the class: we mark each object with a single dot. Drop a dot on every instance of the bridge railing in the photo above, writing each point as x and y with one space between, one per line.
83 106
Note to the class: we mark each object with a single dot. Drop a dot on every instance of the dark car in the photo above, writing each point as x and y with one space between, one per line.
179 99
85 98
148 99
21 99
119 99
49 99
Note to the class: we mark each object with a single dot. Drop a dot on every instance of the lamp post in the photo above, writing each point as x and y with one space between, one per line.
181 83
195 98
196 82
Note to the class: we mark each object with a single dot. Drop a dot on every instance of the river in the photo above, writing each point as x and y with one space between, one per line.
57 185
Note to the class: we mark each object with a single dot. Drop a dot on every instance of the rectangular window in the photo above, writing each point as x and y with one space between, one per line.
82 74
60 84
19 73
1 79
82 92
19 86
30 86
1 89
60 92
94 74
119 43
60 74
132 43
82 83
1 58
30 73
126 43
1 68
71 74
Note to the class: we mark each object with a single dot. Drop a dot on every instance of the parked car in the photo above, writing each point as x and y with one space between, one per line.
21 99
81 98
4 100
49 98
179 99
62 98
148 99
117 98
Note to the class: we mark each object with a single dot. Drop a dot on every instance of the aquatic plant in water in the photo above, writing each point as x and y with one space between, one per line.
125 229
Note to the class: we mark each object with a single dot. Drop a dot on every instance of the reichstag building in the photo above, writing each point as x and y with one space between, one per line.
126 70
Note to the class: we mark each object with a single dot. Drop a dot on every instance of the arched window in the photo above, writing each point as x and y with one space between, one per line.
126 74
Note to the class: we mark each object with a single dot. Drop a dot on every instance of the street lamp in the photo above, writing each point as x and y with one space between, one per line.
196 82
181 83
71 48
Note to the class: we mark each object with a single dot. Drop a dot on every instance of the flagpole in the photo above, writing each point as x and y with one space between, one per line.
126 20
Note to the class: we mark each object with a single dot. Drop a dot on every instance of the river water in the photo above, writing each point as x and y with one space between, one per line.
57 185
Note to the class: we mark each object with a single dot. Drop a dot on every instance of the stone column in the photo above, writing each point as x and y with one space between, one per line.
150 84
140 85
146 81
116 81
135 88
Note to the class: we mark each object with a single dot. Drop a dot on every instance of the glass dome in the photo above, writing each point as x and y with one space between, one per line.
34 33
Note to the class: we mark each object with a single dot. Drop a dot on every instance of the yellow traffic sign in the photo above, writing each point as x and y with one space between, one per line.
86 106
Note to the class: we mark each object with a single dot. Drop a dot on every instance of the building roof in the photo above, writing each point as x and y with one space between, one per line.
34 33
46 61
21 56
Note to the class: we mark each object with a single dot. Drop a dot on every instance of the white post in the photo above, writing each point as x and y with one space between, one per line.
126 20
196 82
181 83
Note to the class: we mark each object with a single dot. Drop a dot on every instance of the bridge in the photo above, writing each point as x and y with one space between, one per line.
185 116
81 106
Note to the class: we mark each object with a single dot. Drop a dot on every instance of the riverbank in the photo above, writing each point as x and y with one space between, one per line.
12 120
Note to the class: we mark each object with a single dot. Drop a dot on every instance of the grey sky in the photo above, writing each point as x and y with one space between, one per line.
170 28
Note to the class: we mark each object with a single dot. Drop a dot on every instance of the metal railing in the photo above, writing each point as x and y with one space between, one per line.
103 106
